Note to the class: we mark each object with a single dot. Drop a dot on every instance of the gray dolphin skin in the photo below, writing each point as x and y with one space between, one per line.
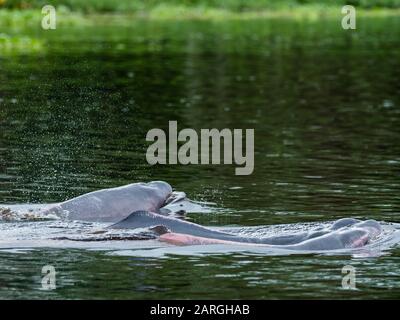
152 205
338 236
146 219
112 205
335 240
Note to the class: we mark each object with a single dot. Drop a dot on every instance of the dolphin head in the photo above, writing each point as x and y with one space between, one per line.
371 226
162 186
353 238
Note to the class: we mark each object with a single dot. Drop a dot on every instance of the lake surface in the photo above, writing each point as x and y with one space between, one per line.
325 106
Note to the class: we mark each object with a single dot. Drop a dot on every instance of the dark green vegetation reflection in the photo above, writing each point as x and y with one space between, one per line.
324 103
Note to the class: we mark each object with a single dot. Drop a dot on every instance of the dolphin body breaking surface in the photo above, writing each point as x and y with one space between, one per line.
146 219
152 202
342 234
114 204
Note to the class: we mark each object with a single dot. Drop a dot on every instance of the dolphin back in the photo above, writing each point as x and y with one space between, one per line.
358 235
146 219
112 205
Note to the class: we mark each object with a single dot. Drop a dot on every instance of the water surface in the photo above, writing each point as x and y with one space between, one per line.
324 104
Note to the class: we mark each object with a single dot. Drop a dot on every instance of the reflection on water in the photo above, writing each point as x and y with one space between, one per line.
96 275
324 104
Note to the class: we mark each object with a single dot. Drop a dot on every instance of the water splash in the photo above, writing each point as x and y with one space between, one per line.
143 243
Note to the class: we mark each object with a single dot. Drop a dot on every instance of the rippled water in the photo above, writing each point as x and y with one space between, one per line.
324 104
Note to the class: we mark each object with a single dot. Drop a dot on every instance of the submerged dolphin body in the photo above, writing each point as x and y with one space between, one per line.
146 219
351 238
344 233
336 240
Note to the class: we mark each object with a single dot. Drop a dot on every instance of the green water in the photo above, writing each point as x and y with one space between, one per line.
324 103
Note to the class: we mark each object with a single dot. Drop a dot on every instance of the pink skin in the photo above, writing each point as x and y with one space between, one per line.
181 239
360 242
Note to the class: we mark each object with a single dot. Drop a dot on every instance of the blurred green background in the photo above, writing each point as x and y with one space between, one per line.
76 104
233 5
